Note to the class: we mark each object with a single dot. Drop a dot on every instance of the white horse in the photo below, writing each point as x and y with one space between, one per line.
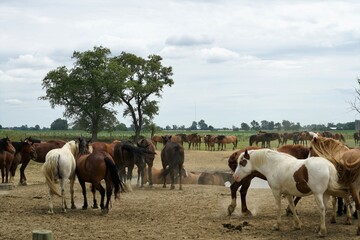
289 176
60 164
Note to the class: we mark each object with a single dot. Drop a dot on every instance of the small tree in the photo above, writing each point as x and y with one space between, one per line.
146 78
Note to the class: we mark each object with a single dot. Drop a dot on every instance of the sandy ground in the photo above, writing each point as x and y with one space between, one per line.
196 212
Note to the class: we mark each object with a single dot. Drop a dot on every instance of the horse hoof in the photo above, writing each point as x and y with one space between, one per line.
247 213
95 207
73 207
84 208
231 209
332 220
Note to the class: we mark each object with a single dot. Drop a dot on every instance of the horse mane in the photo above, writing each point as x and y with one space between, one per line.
329 148
345 160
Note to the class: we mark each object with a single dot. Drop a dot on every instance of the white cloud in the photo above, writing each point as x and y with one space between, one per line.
189 40
218 54
13 101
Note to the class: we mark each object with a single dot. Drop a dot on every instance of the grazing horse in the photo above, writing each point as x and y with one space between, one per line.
290 176
93 168
347 163
41 148
172 159
149 160
7 151
60 164
25 151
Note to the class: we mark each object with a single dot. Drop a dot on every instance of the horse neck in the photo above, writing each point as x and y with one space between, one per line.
260 161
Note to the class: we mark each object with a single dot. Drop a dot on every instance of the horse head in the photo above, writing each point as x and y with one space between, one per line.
5 144
244 167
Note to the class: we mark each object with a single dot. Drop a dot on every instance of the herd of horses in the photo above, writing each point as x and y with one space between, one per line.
194 140
326 168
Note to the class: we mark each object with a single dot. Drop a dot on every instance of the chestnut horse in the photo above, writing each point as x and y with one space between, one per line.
149 160
41 148
103 146
346 162
25 151
7 151
93 168
155 139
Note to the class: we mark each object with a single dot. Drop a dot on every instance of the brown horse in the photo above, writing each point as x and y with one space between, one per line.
7 151
93 168
347 163
172 159
216 178
103 146
298 151
25 151
155 139
41 148
194 140
356 137
149 160
187 177
222 140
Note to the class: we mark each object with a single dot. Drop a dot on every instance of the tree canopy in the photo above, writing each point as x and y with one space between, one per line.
97 82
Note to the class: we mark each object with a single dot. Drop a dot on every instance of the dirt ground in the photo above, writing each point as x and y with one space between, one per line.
196 212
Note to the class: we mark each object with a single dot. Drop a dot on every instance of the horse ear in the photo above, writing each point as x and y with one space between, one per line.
246 155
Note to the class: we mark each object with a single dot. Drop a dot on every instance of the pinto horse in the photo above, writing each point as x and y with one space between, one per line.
346 162
290 177
94 167
7 151
25 151
172 159
60 164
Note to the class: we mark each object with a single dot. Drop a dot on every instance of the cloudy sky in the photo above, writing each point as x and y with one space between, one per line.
233 61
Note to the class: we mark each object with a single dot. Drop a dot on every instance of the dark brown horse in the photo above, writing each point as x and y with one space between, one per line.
126 156
298 151
93 168
172 159
7 151
41 148
25 151
149 160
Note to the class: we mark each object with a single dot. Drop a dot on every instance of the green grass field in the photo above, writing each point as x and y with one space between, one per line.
243 136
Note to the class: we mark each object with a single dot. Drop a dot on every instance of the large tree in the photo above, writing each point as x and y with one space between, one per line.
144 83
88 90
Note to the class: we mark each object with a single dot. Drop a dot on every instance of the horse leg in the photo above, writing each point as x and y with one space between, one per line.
243 192
348 211
150 164
22 172
297 221
354 190
288 210
93 191
102 193
277 195
63 197
319 198
233 187
51 205
180 188
334 205
172 176
108 195
72 181
83 187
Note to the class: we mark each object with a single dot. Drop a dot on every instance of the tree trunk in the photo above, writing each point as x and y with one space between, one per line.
94 135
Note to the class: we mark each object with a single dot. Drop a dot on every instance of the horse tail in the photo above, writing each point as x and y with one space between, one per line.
334 184
48 169
115 179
